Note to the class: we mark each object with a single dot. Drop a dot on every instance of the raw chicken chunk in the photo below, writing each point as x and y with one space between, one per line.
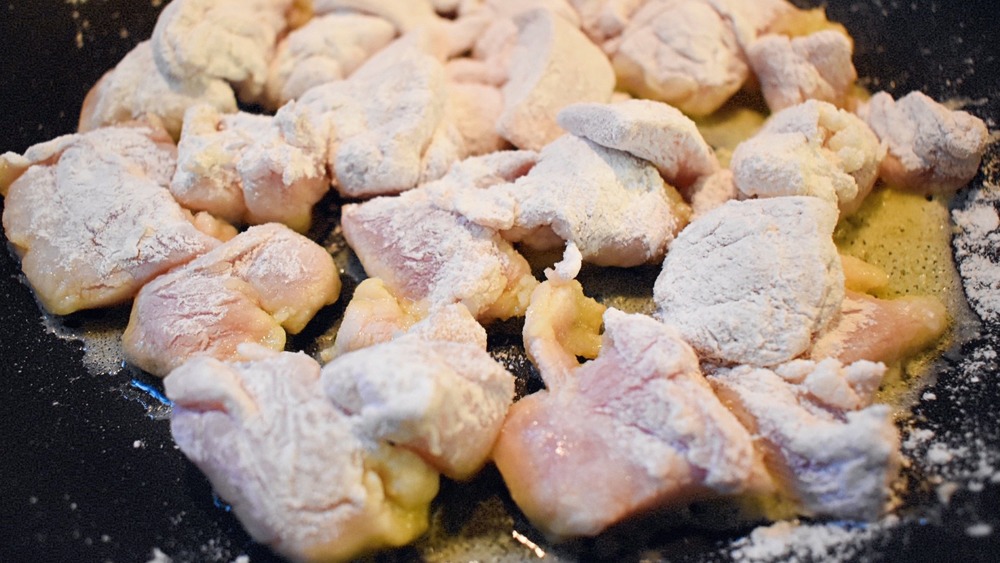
615 207
384 120
931 149
753 282
375 315
289 461
405 15
432 256
552 65
326 49
641 411
710 192
810 149
135 88
92 219
253 168
882 330
250 290
649 130
832 460
231 40
792 70
443 400
683 52
605 20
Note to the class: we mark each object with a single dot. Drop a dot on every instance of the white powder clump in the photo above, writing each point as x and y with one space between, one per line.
793 541
160 557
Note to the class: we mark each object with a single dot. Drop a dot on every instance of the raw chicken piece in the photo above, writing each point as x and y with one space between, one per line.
474 109
605 20
931 149
289 461
641 411
832 463
136 88
792 70
250 290
552 65
753 282
232 40
433 256
649 130
253 168
882 330
613 206
710 192
683 52
326 49
810 149
375 315
405 15
384 119
92 219
443 400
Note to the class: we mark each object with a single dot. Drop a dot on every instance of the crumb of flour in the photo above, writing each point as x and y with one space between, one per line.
798 542
159 557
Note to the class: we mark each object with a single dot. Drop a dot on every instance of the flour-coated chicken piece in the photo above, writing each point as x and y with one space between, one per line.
252 168
553 64
652 131
135 88
792 70
682 52
615 207
92 219
473 109
710 192
753 282
374 315
605 20
641 411
829 455
404 15
444 400
231 40
252 289
812 149
325 49
882 330
433 256
289 462
932 149
383 119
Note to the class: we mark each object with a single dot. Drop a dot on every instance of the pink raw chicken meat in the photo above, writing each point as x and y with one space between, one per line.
135 88
829 451
932 149
250 290
290 463
375 315
325 49
444 399
91 216
615 207
812 148
641 412
427 253
552 65
253 168
753 282
652 131
231 40
792 70
882 330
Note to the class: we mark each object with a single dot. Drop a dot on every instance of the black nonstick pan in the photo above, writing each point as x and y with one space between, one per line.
88 471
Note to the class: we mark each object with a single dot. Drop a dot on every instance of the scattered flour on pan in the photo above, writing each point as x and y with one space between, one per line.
800 542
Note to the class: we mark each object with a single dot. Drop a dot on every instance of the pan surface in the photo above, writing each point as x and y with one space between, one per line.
89 471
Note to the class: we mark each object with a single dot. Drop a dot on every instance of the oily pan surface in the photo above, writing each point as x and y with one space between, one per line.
89 470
